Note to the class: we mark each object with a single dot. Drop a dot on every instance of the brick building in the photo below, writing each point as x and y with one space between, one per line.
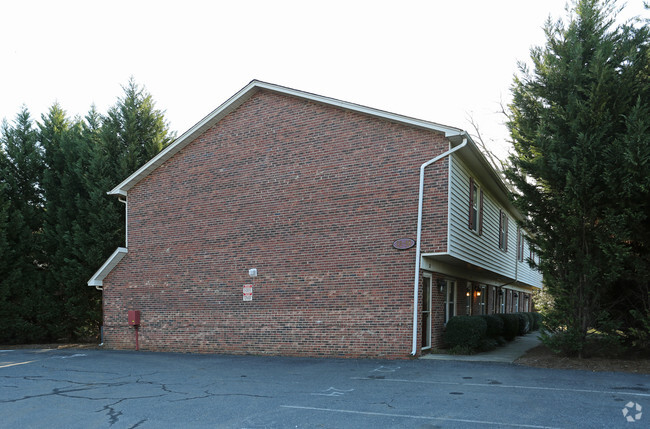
366 230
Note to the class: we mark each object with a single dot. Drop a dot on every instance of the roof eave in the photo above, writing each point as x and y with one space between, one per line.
97 279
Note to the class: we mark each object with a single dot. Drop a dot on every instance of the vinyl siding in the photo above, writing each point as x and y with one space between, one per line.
483 250
525 273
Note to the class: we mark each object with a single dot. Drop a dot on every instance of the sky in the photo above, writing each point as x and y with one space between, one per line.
450 62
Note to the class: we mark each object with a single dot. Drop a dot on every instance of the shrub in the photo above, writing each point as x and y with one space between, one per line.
487 344
566 342
524 323
537 321
494 325
510 326
465 331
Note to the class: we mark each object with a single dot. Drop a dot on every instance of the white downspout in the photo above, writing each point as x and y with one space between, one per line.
416 284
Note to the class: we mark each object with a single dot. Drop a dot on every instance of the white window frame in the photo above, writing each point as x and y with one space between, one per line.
474 214
516 302
503 230
482 302
451 291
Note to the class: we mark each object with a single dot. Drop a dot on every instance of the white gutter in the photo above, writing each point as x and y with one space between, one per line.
97 279
416 285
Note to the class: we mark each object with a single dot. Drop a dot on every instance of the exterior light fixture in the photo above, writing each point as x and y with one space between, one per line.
441 284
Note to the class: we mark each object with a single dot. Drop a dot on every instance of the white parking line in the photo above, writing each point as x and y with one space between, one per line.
409 416
504 386
16 363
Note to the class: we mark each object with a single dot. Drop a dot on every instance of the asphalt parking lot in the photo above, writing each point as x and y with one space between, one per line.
125 389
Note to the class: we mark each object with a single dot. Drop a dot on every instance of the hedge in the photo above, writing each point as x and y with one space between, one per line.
494 325
537 321
524 323
468 334
465 332
510 325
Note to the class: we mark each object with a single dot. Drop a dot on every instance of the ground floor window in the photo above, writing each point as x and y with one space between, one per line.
515 297
450 300
481 294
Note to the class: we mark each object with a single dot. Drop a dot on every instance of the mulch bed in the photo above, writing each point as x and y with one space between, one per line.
542 357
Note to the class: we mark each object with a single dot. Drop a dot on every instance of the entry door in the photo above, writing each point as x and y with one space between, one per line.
426 312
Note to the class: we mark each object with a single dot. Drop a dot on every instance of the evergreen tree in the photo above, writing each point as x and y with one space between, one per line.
132 132
57 224
67 154
26 310
579 125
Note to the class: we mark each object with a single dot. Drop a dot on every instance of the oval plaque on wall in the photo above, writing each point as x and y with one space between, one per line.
403 243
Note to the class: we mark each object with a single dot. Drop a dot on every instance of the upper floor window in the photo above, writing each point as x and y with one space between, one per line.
503 230
520 245
475 207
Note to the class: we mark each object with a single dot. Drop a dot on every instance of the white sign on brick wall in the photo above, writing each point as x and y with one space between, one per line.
248 292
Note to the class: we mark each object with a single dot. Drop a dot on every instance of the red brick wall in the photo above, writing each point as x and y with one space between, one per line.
313 197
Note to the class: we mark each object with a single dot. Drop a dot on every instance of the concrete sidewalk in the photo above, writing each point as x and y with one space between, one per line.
508 353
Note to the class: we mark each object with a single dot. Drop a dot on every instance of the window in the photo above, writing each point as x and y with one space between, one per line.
450 301
475 207
520 245
515 301
481 299
503 231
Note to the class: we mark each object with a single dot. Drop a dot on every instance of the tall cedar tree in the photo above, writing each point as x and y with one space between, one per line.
26 309
67 154
130 134
57 225
133 132
91 157
579 123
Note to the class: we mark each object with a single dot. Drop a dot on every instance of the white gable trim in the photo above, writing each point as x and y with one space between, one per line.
242 96
97 279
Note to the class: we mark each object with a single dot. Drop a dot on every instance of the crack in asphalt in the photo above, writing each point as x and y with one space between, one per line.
113 416
208 394
113 409
77 370
138 424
